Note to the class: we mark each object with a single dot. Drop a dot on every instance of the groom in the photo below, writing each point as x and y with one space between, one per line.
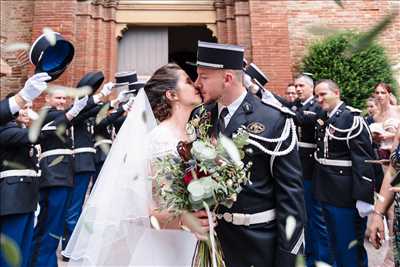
265 226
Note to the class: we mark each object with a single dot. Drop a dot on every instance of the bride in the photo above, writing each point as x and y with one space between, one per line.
114 228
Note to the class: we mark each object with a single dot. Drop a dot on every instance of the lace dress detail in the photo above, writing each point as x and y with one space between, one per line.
163 142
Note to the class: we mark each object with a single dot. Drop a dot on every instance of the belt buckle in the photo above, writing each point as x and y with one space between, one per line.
241 219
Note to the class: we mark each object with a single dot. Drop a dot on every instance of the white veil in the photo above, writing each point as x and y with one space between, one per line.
114 228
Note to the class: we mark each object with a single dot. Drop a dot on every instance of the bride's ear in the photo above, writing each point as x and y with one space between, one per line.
171 95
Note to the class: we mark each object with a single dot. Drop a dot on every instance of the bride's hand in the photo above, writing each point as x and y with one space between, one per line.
197 223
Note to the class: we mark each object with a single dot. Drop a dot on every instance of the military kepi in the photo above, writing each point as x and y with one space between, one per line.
93 79
220 56
136 86
256 74
125 78
51 58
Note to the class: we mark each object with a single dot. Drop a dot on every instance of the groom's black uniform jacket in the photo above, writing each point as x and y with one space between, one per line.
276 184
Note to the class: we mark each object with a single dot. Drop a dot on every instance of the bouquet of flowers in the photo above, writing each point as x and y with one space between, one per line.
209 172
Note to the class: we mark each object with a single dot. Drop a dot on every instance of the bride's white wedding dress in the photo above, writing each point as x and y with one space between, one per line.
114 228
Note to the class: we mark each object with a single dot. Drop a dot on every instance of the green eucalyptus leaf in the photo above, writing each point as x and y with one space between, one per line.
102 113
10 250
56 161
339 3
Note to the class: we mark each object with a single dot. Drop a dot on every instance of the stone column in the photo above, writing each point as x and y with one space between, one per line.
96 32
243 27
230 21
221 21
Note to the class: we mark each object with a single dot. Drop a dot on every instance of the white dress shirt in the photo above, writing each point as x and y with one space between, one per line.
232 107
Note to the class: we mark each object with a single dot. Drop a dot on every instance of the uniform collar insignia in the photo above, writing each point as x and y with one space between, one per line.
247 107
256 127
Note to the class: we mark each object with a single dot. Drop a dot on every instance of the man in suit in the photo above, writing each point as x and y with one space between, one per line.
34 86
258 219
342 181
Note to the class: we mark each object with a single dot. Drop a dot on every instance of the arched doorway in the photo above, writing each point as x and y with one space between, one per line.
153 33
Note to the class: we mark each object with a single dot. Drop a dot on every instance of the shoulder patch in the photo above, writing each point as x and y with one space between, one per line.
279 107
353 110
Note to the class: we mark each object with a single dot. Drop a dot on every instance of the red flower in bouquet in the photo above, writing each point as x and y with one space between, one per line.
189 175
184 150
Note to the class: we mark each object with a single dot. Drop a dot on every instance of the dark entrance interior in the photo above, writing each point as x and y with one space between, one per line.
182 45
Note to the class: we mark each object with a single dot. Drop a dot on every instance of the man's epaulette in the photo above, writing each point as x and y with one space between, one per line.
354 110
281 108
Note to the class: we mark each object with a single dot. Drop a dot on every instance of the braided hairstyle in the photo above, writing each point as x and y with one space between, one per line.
163 79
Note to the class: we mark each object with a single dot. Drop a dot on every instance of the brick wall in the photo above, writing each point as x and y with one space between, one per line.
270 42
280 30
15 26
89 25
356 15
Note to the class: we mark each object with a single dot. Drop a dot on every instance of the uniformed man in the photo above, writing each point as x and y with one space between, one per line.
56 177
133 88
104 130
34 86
19 184
83 150
342 181
307 112
252 232
255 81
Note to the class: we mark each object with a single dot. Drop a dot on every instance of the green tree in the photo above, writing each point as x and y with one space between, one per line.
355 71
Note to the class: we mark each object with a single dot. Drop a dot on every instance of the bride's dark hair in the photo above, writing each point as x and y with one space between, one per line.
163 79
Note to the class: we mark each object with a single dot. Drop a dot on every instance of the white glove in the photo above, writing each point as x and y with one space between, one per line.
34 86
107 89
364 208
247 81
123 97
127 106
79 104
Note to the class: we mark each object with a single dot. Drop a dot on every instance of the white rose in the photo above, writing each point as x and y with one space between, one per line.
202 151
231 149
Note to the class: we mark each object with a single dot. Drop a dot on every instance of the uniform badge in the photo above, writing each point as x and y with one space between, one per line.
247 108
320 122
256 128
293 108
31 152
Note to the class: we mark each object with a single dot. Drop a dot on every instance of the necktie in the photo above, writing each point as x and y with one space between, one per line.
221 120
